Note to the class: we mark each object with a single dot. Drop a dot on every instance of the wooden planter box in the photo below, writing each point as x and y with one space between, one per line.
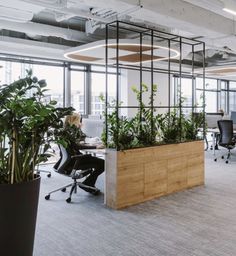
137 175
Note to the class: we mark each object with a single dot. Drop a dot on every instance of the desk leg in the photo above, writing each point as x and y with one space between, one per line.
207 145
213 142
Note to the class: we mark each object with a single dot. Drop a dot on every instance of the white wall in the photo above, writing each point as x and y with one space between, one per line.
131 78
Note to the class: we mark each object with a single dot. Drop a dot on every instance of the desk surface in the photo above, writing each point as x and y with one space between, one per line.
94 151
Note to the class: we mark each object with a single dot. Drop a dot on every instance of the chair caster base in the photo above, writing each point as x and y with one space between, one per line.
49 175
68 200
47 197
215 159
63 190
227 162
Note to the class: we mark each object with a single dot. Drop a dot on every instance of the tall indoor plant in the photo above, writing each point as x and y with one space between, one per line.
27 123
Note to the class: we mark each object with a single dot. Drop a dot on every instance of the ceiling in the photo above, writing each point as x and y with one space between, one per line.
48 28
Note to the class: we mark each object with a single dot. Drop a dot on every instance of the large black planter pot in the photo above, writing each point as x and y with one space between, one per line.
18 213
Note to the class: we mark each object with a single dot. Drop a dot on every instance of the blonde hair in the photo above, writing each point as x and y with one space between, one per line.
73 119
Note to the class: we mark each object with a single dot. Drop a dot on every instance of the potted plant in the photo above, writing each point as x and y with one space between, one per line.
165 154
26 130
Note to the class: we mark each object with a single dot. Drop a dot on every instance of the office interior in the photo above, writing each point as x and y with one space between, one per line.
37 35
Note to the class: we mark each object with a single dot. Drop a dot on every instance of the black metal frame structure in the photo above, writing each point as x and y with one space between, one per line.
141 33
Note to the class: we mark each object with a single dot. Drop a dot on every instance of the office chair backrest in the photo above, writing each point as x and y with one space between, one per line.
65 163
226 131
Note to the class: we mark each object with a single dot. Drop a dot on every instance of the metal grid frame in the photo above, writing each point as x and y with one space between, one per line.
156 35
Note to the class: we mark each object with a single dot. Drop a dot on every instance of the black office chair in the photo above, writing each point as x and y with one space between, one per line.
75 167
227 139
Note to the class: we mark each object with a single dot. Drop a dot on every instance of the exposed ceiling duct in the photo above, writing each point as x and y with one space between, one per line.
84 21
64 12
31 48
45 30
7 13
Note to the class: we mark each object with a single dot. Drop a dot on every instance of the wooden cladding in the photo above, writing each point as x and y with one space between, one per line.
137 175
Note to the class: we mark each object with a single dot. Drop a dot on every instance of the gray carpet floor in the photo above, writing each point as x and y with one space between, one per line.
196 222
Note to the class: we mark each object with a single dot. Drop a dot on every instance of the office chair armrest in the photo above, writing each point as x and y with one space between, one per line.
79 174
78 156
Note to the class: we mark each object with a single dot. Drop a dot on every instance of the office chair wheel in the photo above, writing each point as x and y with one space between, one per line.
47 197
49 175
63 190
215 159
226 161
68 200
222 157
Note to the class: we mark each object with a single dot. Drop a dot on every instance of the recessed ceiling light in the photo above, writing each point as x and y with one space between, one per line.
229 11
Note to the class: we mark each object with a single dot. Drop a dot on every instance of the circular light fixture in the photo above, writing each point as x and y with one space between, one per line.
129 52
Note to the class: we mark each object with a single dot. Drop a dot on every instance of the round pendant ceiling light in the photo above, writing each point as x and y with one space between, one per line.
128 52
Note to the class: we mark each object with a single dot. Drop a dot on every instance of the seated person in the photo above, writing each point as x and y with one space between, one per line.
74 139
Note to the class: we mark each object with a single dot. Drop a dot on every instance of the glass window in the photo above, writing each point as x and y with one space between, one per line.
54 78
223 101
102 69
211 94
232 85
98 85
210 84
11 71
199 83
232 101
186 93
77 91
211 101
223 96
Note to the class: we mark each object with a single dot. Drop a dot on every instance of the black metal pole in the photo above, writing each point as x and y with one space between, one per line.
152 85
106 86
204 93
117 83
169 76
141 79
180 87
193 89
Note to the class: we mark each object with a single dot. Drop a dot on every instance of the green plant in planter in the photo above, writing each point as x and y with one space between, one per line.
145 131
191 125
26 128
124 133
68 134
170 127
120 132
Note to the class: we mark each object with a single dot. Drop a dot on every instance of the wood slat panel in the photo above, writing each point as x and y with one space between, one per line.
139 175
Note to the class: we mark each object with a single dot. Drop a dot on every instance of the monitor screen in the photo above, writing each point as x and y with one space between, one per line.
233 116
212 118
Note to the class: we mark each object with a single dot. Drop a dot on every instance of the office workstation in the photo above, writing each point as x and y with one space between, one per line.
117 125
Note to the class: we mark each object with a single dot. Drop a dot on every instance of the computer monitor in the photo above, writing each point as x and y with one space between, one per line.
233 116
212 118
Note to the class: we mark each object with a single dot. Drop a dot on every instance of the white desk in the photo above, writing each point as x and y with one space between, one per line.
94 152
214 132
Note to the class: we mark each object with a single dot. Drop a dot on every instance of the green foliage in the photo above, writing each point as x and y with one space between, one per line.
192 125
145 123
26 128
147 128
170 127
68 134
